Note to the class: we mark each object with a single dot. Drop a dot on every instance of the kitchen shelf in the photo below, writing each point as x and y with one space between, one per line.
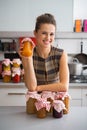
59 35
15 34
71 35
12 85
22 84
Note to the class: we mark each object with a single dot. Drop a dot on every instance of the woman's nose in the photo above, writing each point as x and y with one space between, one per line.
48 36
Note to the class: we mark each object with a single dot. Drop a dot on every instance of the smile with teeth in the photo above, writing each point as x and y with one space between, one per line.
46 42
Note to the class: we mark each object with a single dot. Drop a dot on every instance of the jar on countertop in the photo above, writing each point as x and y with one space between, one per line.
6 64
65 97
31 98
42 106
58 107
28 47
16 72
6 75
16 62
49 96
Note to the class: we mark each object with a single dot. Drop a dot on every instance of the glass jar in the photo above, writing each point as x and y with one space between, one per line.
58 107
42 106
57 114
31 98
16 78
67 105
6 76
16 63
30 106
42 113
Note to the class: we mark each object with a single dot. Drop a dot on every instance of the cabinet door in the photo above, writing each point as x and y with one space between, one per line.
76 99
84 97
12 97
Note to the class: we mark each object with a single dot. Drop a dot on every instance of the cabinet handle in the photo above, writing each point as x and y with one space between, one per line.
16 93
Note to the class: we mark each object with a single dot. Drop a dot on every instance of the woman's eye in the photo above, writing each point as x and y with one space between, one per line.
43 32
52 34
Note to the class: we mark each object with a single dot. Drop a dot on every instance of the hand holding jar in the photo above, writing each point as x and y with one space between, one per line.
27 47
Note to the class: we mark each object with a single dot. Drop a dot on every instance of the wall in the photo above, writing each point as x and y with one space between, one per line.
80 9
15 17
20 15
72 46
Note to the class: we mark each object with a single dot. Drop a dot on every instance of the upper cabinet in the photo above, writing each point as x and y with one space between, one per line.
21 15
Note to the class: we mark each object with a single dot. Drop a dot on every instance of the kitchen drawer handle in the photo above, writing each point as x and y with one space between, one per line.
16 93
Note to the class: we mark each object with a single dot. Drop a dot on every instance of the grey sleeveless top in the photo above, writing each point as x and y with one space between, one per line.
47 70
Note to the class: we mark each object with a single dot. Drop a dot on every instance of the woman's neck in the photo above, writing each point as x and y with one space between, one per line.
43 52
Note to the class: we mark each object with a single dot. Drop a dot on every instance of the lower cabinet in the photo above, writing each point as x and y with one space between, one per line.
16 96
84 97
76 97
12 96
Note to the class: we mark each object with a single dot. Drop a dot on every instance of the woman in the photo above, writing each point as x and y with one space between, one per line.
47 68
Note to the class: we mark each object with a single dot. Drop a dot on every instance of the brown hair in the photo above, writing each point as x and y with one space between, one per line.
44 18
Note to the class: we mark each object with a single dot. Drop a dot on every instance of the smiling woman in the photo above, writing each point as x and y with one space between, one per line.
47 67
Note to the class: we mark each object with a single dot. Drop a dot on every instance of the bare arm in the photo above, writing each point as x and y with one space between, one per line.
30 78
27 62
63 84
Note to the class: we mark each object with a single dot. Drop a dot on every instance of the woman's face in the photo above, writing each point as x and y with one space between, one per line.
45 35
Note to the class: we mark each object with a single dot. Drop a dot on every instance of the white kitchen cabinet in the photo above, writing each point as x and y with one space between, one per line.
76 96
84 97
12 96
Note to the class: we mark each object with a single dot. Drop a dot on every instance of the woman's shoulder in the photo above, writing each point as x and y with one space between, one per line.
57 50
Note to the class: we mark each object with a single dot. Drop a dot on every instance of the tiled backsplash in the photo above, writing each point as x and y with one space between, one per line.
72 46
69 41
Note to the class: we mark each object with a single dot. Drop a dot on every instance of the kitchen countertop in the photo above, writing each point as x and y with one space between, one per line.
22 85
16 118
77 85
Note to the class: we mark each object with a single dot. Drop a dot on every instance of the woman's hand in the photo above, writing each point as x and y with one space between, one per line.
26 48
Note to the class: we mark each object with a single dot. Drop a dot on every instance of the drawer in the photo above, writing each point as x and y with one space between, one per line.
75 93
75 102
12 97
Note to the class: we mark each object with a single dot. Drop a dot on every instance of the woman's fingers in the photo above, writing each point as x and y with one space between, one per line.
28 39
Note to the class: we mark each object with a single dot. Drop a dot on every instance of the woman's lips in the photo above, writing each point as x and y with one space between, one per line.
46 42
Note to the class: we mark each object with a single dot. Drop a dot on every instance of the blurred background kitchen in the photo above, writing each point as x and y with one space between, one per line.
17 20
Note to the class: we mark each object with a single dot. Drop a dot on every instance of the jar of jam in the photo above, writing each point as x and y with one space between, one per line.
49 96
16 72
6 75
65 97
6 63
30 106
31 98
16 63
27 47
42 107
57 114
58 107
67 104
16 78
42 113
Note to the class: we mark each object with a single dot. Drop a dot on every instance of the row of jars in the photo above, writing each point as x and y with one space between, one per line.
80 25
41 104
11 70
